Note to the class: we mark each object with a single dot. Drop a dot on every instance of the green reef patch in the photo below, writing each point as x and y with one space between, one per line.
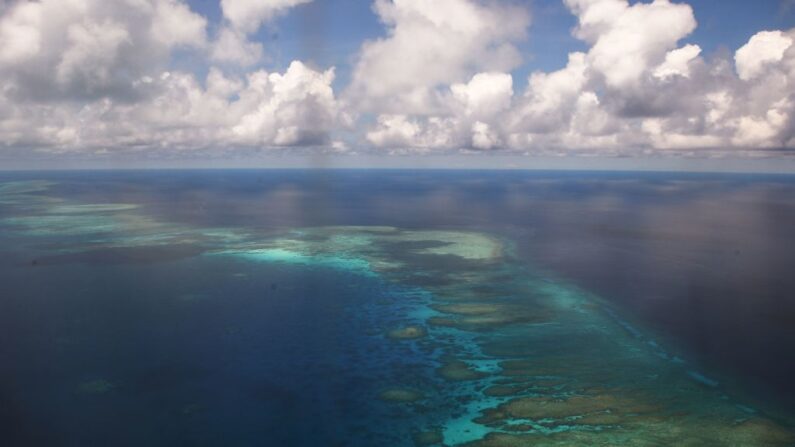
25 193
92 208
117 232
401 395
98 386
24 187
283 255
96 223
654 432
407 333
457 370
428 438
124 255
467 245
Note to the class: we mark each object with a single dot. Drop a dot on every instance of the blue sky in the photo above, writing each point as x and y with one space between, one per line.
234 79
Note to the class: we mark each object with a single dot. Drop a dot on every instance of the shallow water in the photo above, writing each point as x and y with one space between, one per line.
396 308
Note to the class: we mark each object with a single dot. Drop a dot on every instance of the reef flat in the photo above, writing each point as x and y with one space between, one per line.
529 360
459 343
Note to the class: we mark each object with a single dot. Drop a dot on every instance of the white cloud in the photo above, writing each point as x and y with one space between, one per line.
264 109
550 98
243 18
662 138
469 118
439 79
297 107
431 45
485 95
93 75
249 15
90 48
484 137
764 48
91 53
637 89
175 24
20 36
231 46
627 39
677 62
394 131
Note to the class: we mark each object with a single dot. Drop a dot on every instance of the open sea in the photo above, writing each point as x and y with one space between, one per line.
382 308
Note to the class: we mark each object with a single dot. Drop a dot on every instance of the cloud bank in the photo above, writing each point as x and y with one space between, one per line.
97 76
637 88
94 75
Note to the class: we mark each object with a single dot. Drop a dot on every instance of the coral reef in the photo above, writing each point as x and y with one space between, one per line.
401 395
428 438
456 371
98 386
407 333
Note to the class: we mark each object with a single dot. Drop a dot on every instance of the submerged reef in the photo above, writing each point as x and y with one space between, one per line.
401 395
428 438
91 208
524 359
456 370
98 386
97 232
25 193
407 333
653 432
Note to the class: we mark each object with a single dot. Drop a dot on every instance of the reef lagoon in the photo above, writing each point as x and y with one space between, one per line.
396 308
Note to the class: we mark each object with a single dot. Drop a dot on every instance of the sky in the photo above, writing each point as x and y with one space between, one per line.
204 82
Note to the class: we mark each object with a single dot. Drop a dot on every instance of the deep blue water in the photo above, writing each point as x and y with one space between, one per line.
162 345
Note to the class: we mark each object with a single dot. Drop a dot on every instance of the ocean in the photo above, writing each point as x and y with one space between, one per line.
396 308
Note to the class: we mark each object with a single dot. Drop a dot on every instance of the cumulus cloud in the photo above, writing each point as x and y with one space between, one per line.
471 117
764 48
233 46
431 45
248 15
633 70
262 109
638 87
486 95
94 75
626 39
440 78
677 62
296 107
243 18
90 48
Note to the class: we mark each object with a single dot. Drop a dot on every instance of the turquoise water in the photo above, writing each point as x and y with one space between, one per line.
125 323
